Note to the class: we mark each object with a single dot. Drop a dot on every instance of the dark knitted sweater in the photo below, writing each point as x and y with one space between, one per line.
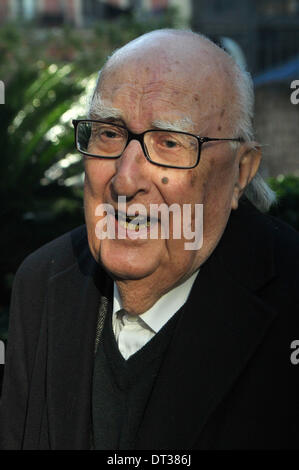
122 388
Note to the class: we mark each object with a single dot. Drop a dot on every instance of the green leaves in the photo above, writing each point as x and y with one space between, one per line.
35 136
287 207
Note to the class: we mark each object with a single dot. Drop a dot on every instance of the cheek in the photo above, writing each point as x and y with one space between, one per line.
97 174
193 185
193 178
219 168
218 191
184 187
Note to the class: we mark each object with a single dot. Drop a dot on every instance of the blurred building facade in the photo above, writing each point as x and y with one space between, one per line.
276 126
267 30
83 13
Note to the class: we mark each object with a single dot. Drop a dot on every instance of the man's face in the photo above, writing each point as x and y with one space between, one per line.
146 89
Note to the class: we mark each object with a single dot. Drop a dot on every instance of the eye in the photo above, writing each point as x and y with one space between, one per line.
109 134
170 143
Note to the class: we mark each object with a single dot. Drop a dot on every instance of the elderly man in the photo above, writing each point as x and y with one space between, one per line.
133 341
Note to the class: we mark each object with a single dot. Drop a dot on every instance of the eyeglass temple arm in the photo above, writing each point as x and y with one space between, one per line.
209 139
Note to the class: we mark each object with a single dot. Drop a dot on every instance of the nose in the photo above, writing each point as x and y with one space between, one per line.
131 175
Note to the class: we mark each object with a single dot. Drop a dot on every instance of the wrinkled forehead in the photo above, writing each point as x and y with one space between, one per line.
153 63
188 77
188 54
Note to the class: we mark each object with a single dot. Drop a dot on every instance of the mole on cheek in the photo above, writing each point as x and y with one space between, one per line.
164 180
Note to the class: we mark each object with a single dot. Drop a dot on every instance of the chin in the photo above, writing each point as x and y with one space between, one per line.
128 262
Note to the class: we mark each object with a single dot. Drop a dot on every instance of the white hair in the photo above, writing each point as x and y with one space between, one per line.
258 192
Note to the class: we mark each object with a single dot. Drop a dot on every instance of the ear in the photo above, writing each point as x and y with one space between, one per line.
249 158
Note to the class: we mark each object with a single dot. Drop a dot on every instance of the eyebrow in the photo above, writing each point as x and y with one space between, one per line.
99 110
181 125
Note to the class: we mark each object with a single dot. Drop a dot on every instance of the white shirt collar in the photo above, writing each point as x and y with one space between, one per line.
164 308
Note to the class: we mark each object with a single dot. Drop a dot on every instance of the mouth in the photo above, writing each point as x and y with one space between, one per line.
134 222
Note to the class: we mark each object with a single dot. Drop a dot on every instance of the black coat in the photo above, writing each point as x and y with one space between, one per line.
227 381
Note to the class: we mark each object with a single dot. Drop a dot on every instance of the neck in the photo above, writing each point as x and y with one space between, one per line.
138 296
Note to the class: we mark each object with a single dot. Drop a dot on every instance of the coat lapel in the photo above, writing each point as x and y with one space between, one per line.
73 304
220 328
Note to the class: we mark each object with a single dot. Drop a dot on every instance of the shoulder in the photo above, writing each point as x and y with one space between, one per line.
257 249
30 286
284 287
286 240
54 257
282 238
265 229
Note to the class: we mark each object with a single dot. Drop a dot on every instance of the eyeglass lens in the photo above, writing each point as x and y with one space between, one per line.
162 147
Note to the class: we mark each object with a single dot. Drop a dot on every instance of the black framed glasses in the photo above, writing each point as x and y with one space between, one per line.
171 149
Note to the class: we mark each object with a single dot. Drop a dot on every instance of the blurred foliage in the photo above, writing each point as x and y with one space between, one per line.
33 138
47 74
287 191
